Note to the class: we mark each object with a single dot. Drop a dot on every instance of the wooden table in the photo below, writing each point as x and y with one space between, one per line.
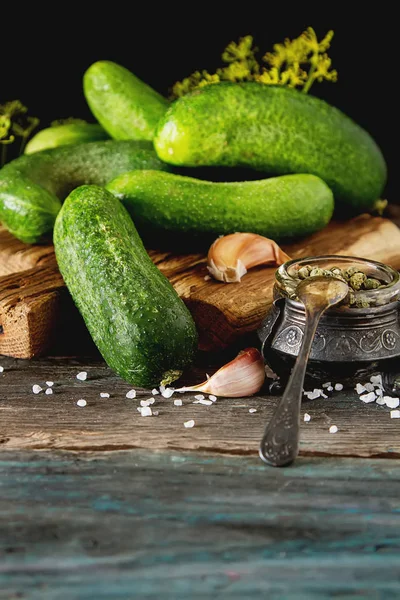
101 503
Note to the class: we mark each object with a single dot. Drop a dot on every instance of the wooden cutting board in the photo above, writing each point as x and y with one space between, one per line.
37 313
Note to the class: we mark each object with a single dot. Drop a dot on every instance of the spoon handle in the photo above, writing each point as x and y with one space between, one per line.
280 443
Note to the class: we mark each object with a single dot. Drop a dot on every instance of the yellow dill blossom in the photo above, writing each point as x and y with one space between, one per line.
295 63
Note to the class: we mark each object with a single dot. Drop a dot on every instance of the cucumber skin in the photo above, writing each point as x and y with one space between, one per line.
275 130
126 107
32 186
60 135
137 320
279 207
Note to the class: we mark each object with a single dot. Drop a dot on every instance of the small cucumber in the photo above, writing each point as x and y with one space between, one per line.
33 186
279 207
127 108
276 130
61 135
140 325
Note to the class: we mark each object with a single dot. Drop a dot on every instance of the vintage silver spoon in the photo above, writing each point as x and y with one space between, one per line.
280 444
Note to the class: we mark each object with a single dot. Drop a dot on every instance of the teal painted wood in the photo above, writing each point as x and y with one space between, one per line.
137 524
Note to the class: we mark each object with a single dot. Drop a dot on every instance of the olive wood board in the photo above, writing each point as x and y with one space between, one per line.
37 313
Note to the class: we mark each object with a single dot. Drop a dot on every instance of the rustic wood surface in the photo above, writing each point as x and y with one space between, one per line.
30 421
36 310
136 524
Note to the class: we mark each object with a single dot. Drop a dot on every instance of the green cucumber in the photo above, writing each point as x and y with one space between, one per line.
127 108
33 186
276 130
140 325
279 207
60 135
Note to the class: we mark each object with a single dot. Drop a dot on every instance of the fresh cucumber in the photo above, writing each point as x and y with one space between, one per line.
140 325
126 107
279 207
60 135
276 130
33 186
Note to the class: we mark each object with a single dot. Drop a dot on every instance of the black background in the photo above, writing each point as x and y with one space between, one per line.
45 55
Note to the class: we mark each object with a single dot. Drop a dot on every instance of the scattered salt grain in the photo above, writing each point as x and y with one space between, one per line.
338 387
155 413
333 429
252 410
395 414
146 411
167 392
329 389
327 384
379 392
391 402
49 391
155 392
360 389
104 395
49 383
204 401
36 388
178 402
82 376
189 424
381 401
212 398
370 397
130 394
207 278
369 387
199 397
307 417
81 402
376 379
147 402
1 369
316 393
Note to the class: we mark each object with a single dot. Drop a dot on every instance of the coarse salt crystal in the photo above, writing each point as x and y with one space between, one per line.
178 402
207 278
189 424
333 429
395 414
147 402
381 401
370 397
307 417
49 391
338 387
205 402
1 369
130 394
167 392
369 387
379 392
327 384
155 392
82 376
252 410
330 389
391 402
146 411
360 388
155 413
316 393
36 388
104 395
199 397
376 379
81 402
49 383
212 398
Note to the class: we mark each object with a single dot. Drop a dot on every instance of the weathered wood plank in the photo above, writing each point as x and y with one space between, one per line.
47 422
165 525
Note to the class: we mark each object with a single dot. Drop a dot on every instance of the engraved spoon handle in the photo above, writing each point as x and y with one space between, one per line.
280 443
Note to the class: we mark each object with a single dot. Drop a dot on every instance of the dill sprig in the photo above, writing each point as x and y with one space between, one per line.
296 63
15 123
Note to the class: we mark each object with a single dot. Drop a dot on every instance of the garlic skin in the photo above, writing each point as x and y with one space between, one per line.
230 256
242 376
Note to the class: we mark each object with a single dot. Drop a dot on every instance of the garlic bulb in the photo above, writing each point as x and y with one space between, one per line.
242 376
230 256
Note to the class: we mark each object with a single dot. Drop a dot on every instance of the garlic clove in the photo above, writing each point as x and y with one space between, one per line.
230 256
242 376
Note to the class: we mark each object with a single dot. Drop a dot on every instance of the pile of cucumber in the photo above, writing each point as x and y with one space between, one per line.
309 156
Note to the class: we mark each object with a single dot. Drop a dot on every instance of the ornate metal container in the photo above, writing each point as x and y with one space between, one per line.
349 341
